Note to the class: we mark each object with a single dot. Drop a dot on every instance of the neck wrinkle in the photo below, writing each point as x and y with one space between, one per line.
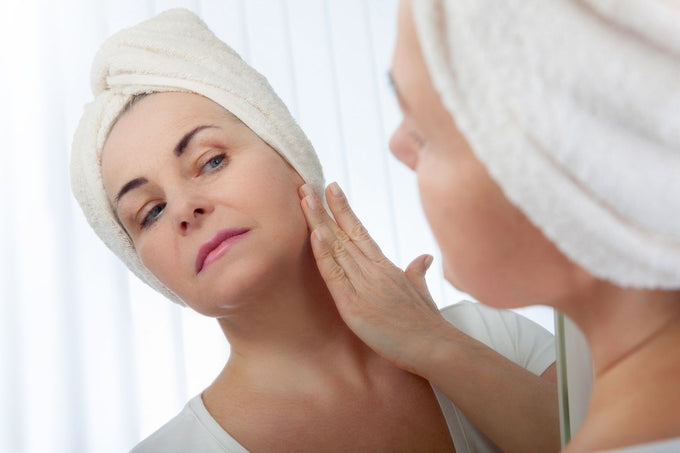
633 336
296 336
616 321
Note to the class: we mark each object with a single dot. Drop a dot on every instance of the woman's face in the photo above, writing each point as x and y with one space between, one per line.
212 210
489 248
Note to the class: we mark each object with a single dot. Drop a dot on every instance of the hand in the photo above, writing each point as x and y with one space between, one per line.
389 309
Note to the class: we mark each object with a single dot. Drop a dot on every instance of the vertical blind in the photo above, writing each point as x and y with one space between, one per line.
92 360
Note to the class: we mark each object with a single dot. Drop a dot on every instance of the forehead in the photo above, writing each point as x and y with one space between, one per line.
156 112
408 65
420 101
155 123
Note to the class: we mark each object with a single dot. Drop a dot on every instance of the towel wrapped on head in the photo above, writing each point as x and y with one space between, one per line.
174 51
574 109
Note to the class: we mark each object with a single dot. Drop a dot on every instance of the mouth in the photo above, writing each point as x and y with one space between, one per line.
217 246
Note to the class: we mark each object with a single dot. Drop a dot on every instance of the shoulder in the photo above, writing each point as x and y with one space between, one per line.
193 429
508 333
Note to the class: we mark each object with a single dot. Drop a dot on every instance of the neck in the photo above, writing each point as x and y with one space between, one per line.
621 323
292 337
633 336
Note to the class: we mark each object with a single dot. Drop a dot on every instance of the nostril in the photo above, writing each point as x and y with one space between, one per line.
199 211
184 225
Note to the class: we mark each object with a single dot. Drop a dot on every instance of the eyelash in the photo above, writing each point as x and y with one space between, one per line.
416 137
222 161
148 219
216 163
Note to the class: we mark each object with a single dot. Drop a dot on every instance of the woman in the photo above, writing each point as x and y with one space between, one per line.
545 140
188 167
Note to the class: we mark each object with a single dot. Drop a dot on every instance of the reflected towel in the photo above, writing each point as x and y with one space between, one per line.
574 108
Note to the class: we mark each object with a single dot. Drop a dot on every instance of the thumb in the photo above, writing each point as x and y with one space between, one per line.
415 272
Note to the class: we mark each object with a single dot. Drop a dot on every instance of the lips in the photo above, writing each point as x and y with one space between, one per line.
216 246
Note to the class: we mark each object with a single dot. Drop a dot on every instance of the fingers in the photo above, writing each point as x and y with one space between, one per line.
333 273
317 217
332 246
315 214
348 222
351 225
415 273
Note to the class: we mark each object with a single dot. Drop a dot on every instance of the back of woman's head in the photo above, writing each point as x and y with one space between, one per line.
574 109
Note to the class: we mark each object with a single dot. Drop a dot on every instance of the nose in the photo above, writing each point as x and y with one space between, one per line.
402 146
190 210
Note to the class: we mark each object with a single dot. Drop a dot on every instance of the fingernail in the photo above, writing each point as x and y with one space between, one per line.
307 189
428 261
318 234
311 202
335 189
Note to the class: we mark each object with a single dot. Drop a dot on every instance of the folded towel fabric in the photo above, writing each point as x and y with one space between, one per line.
574 108
174 51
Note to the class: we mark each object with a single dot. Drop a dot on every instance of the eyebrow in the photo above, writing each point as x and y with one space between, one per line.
184 142
133 184
179 149
395 89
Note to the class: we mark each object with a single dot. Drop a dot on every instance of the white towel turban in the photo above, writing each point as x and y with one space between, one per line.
574 108
174 51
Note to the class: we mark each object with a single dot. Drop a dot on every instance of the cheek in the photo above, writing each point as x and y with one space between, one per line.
489 248
160 259
440 198
466 217
440 193
291 225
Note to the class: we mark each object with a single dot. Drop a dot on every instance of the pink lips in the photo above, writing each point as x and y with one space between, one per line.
216 247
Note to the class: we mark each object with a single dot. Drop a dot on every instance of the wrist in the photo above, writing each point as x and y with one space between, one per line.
433 350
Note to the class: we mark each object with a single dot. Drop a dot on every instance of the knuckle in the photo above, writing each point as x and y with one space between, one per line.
336 273
384 262
325 253
360 232
343 237
316 219
345 208
338 247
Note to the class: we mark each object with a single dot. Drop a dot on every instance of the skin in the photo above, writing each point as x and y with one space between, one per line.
293 363
195 200
491 251
412 334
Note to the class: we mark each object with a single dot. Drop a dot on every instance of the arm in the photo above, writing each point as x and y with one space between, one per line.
393 313
516 409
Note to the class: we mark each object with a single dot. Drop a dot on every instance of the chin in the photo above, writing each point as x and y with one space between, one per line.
481 291
453 278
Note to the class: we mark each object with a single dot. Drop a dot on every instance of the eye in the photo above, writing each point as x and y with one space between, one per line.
152 215
418 140
214 163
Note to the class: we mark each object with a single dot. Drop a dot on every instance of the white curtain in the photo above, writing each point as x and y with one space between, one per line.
91 360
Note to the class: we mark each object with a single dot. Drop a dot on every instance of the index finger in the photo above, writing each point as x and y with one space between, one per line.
316 215
351 225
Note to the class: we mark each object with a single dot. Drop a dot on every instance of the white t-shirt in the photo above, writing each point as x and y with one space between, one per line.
515 337
662 446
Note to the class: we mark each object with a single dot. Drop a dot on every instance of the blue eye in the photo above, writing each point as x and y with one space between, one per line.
215 162
152 215
417 139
